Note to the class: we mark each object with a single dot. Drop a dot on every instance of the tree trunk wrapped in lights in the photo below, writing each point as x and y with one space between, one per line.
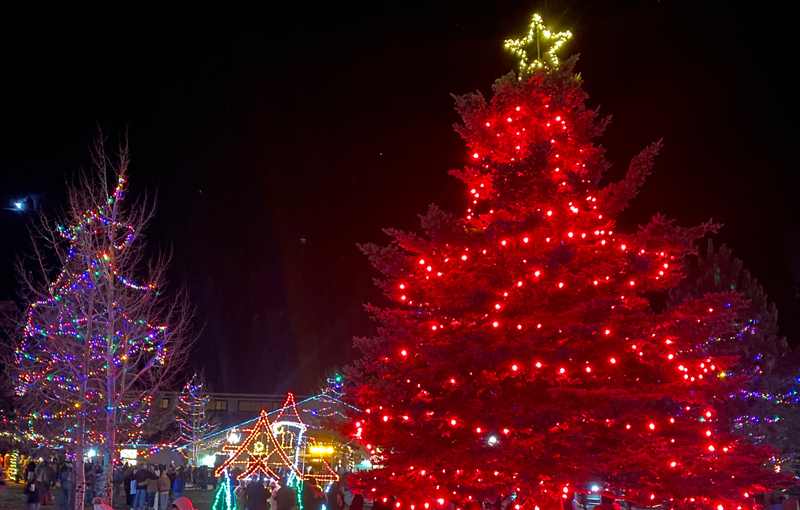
97 345
522 358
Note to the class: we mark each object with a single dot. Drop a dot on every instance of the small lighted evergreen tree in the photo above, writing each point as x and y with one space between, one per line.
195 422
521 358
765 408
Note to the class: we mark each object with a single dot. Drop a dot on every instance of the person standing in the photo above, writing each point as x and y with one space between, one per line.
257 495
30 470
202 477
273 491
151 488
99 485
88 491
47 474
3 484
34 491
286 497
179 485
141 477
335 496
163 490
240 495
118 481
130 485
307 495
319 499
65 480
172 474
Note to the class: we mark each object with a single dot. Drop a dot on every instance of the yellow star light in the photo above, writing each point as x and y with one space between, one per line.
539 36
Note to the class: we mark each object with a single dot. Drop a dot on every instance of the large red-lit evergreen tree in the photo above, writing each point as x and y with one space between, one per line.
522 356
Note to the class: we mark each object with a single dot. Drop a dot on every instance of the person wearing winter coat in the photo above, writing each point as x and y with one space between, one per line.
335 497
30 470
318 501
152 489
240 495
47 474
130 486
163 490
273 490
141 476
286 498
88 487
257 496
202 478
118 482
99 482
34 491
357 503
179 485
65 480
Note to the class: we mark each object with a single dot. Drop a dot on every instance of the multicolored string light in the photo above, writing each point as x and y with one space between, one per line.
269 447
195 423
74 338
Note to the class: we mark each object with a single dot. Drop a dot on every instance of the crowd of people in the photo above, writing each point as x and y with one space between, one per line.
160 487
267 494
156 487
50 482
145 487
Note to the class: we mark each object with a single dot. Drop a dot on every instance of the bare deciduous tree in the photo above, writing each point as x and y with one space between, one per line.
97 344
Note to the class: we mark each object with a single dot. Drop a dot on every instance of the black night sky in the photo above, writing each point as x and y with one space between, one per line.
278 138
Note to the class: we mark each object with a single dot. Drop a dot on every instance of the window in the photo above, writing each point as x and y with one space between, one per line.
218 405
164 403
252 405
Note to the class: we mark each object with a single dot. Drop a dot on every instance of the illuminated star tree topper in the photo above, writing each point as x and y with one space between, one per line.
544 41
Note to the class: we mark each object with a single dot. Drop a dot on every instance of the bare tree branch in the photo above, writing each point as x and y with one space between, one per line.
102 333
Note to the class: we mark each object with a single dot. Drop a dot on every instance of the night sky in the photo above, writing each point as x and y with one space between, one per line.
279 138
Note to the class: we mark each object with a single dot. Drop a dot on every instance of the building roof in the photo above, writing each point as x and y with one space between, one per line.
316 412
